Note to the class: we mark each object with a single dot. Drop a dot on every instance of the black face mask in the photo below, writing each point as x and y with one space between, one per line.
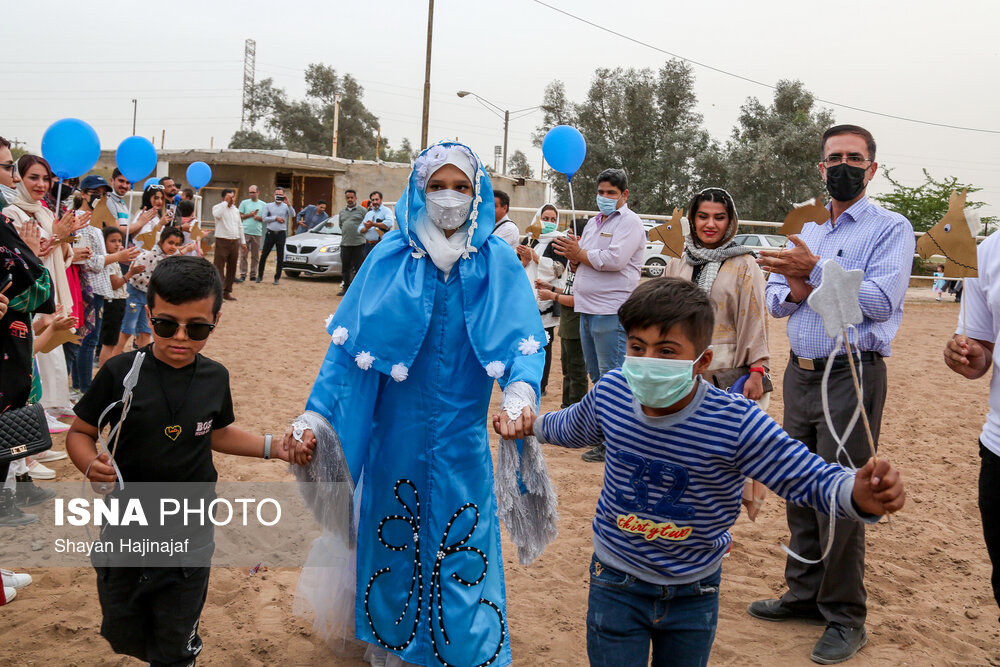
845 182
93 201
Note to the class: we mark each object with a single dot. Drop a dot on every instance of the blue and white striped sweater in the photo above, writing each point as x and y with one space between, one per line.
673 485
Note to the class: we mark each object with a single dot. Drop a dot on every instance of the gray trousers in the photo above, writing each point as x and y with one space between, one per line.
837 584
251 252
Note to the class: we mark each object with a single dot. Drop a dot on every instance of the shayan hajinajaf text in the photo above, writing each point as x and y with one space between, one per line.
132 547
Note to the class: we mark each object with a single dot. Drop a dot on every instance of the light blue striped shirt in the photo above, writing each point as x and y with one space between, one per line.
673 485
866 237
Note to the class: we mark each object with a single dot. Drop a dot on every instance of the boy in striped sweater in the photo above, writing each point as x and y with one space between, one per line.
678 453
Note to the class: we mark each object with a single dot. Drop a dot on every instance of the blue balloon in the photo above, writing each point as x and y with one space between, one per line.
136 157
71 147
564 149
152 180
198 175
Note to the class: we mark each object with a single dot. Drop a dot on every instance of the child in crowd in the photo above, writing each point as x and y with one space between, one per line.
181 411
940 282
134 321
114 308
678 452
185 219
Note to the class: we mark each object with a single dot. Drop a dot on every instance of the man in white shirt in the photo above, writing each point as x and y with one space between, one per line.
229 238
505 228
378 220
970 354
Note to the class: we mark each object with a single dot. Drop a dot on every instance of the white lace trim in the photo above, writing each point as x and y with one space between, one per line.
299 428
516 397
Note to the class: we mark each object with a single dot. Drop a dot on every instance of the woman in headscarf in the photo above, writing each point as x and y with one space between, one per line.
439 310
728 273
28 210
542 268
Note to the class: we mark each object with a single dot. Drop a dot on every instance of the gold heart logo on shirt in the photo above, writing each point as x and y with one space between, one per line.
172 432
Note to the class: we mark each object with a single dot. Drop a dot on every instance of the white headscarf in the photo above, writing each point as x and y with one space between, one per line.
444 251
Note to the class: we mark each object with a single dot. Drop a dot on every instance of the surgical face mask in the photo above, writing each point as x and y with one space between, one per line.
9 194
548 227
845 182
607 205
659 383
448 209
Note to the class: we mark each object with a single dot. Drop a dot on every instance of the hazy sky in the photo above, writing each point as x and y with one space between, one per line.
919 59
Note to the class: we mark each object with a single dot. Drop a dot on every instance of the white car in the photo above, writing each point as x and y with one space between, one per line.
761 241
653 261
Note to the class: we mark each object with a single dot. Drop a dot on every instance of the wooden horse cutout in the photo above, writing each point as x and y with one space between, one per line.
102 216
798 217
670 235
952 238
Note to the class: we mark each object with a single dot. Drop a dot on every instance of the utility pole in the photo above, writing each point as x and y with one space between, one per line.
378 142
336 122
427 76
163 139
506 126
249 64
135 108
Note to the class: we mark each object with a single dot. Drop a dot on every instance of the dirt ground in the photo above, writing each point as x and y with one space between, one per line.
930 601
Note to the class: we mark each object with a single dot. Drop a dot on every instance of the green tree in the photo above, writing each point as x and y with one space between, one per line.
405 153
925 204
306 125
518 165
643 121
774 151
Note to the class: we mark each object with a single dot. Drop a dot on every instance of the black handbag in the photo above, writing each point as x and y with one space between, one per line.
23 432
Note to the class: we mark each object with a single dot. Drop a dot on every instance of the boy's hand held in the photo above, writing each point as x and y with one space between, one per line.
878 488
101 470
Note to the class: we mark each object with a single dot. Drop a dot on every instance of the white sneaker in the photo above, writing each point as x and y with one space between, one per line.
75 395
38 471
55 426
15 579
49 455
61 411
9 593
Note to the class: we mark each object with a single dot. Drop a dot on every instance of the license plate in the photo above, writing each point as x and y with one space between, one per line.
296 258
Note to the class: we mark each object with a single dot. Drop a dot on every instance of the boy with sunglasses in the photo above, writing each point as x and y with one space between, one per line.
678 452
181 412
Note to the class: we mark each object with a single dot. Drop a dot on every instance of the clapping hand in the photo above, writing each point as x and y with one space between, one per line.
32 237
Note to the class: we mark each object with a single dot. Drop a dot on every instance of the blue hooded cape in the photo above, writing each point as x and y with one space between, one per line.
406 385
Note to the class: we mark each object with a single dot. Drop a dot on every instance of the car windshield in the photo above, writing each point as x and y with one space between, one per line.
776 240
328 226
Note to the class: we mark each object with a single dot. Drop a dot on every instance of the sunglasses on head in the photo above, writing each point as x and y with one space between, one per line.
167 328
155 186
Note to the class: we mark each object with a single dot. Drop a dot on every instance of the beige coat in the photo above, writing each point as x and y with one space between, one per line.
740 336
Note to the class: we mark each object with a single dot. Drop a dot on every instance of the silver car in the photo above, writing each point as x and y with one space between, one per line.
315 252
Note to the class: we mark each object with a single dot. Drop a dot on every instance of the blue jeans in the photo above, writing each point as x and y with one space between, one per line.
135 322
88 346
603 340
625 615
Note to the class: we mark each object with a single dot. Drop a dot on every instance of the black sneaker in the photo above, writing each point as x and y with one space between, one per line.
10 513
28 493
240 279
839 643
257 280
275 281
595 454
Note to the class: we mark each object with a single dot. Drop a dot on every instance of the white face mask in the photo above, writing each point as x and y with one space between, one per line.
9 194
448 209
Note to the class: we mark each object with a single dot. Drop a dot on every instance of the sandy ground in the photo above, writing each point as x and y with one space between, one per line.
930 601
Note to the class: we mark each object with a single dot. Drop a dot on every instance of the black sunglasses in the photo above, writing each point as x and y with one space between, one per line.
167 328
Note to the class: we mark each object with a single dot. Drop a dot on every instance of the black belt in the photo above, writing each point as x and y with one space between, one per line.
839 361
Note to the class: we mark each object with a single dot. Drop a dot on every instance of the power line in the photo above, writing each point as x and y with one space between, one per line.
755 81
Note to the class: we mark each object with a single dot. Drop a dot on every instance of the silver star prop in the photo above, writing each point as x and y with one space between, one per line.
836 298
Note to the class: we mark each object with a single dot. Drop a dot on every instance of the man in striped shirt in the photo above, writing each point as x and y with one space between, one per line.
678 453
859 235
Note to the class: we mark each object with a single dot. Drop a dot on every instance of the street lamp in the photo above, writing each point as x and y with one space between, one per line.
498 111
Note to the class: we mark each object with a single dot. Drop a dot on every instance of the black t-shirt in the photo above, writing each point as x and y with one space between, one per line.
167 435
